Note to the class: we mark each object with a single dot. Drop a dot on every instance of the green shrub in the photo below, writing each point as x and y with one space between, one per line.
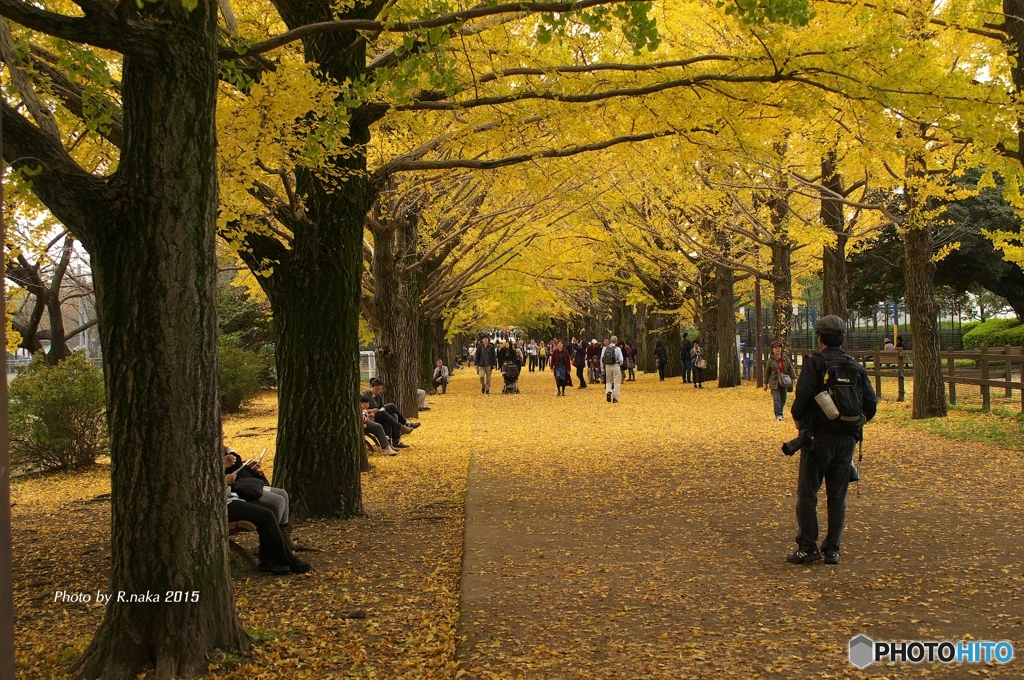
241 373
969 326
995 333
58 414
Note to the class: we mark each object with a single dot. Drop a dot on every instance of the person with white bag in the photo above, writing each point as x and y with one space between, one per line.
779 377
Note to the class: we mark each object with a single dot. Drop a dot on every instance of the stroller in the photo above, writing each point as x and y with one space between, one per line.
510 372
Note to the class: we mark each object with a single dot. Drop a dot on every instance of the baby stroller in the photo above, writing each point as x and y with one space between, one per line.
510 372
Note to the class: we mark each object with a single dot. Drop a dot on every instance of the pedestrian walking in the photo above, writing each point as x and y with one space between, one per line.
699 364
579 360
542 356
630 355
486 359
611 361
561 367
779 377
661 355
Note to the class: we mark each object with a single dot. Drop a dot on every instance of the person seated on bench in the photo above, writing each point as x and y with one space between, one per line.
274 555
274 496
385 413
375 429
441 376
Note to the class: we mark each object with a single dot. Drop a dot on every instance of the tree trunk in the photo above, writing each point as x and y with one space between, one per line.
782 293
728 362
154 266
708 332
644 347
919 272
430 352
314 289
671 336
923 308
833 259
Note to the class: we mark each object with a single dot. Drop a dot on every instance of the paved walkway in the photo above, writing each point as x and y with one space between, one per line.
647 540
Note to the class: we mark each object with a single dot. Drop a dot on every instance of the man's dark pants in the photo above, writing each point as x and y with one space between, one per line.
830 462
395 413
272 545
391 425
687 371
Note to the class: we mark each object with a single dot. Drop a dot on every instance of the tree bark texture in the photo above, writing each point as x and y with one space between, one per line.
151 242
672 337
923 307
708 319
728 362
833 258
644 347
782 293
315 292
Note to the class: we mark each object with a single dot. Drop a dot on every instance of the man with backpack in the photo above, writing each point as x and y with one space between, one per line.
611 362
685 351
833 401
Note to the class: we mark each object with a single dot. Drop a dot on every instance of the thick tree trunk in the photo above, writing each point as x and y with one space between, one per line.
833 259
430 352
728 362
644 347
708 331
919 272
782 293
154 267
923 308
672 337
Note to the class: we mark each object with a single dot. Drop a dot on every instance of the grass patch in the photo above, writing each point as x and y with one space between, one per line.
1000 427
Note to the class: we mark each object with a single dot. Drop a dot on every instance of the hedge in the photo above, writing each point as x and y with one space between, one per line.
995 333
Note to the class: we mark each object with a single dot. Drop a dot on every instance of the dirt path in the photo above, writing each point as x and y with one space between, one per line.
647 540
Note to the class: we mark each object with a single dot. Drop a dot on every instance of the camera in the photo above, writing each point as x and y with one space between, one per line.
804 440
854 475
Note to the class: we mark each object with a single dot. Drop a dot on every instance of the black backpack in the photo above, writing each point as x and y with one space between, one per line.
608 356
841 377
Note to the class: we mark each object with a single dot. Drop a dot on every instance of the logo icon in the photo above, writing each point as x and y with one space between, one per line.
862 651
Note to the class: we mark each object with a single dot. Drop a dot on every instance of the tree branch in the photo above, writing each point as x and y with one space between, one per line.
480 11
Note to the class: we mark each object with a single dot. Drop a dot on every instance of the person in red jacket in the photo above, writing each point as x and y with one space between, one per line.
561 366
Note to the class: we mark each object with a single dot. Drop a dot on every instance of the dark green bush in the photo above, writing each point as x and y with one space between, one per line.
241 374
58 414
995 333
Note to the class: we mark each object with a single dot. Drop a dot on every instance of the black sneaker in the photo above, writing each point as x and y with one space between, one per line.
272 567
831 557
615 401
482 390
297 566
803 557
608 396
400 445
414 424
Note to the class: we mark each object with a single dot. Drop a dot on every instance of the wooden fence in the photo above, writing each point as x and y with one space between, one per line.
899 365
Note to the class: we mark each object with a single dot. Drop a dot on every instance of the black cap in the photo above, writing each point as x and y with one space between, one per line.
376 382
830 324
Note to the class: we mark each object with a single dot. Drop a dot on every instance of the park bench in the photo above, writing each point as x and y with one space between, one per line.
237 528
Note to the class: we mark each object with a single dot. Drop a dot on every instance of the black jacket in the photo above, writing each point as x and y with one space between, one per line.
662 354
685 350
485 352
806 410
376 401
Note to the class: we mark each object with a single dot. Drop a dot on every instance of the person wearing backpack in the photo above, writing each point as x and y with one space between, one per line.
686 354
833 401
779 377
611 362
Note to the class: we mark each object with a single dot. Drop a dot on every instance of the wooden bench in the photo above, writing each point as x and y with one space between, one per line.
237 528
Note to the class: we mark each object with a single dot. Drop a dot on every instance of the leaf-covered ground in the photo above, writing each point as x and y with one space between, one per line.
647 540
639 540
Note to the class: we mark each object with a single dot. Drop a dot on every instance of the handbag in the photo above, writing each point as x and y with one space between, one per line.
785 380
702 363
248 488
